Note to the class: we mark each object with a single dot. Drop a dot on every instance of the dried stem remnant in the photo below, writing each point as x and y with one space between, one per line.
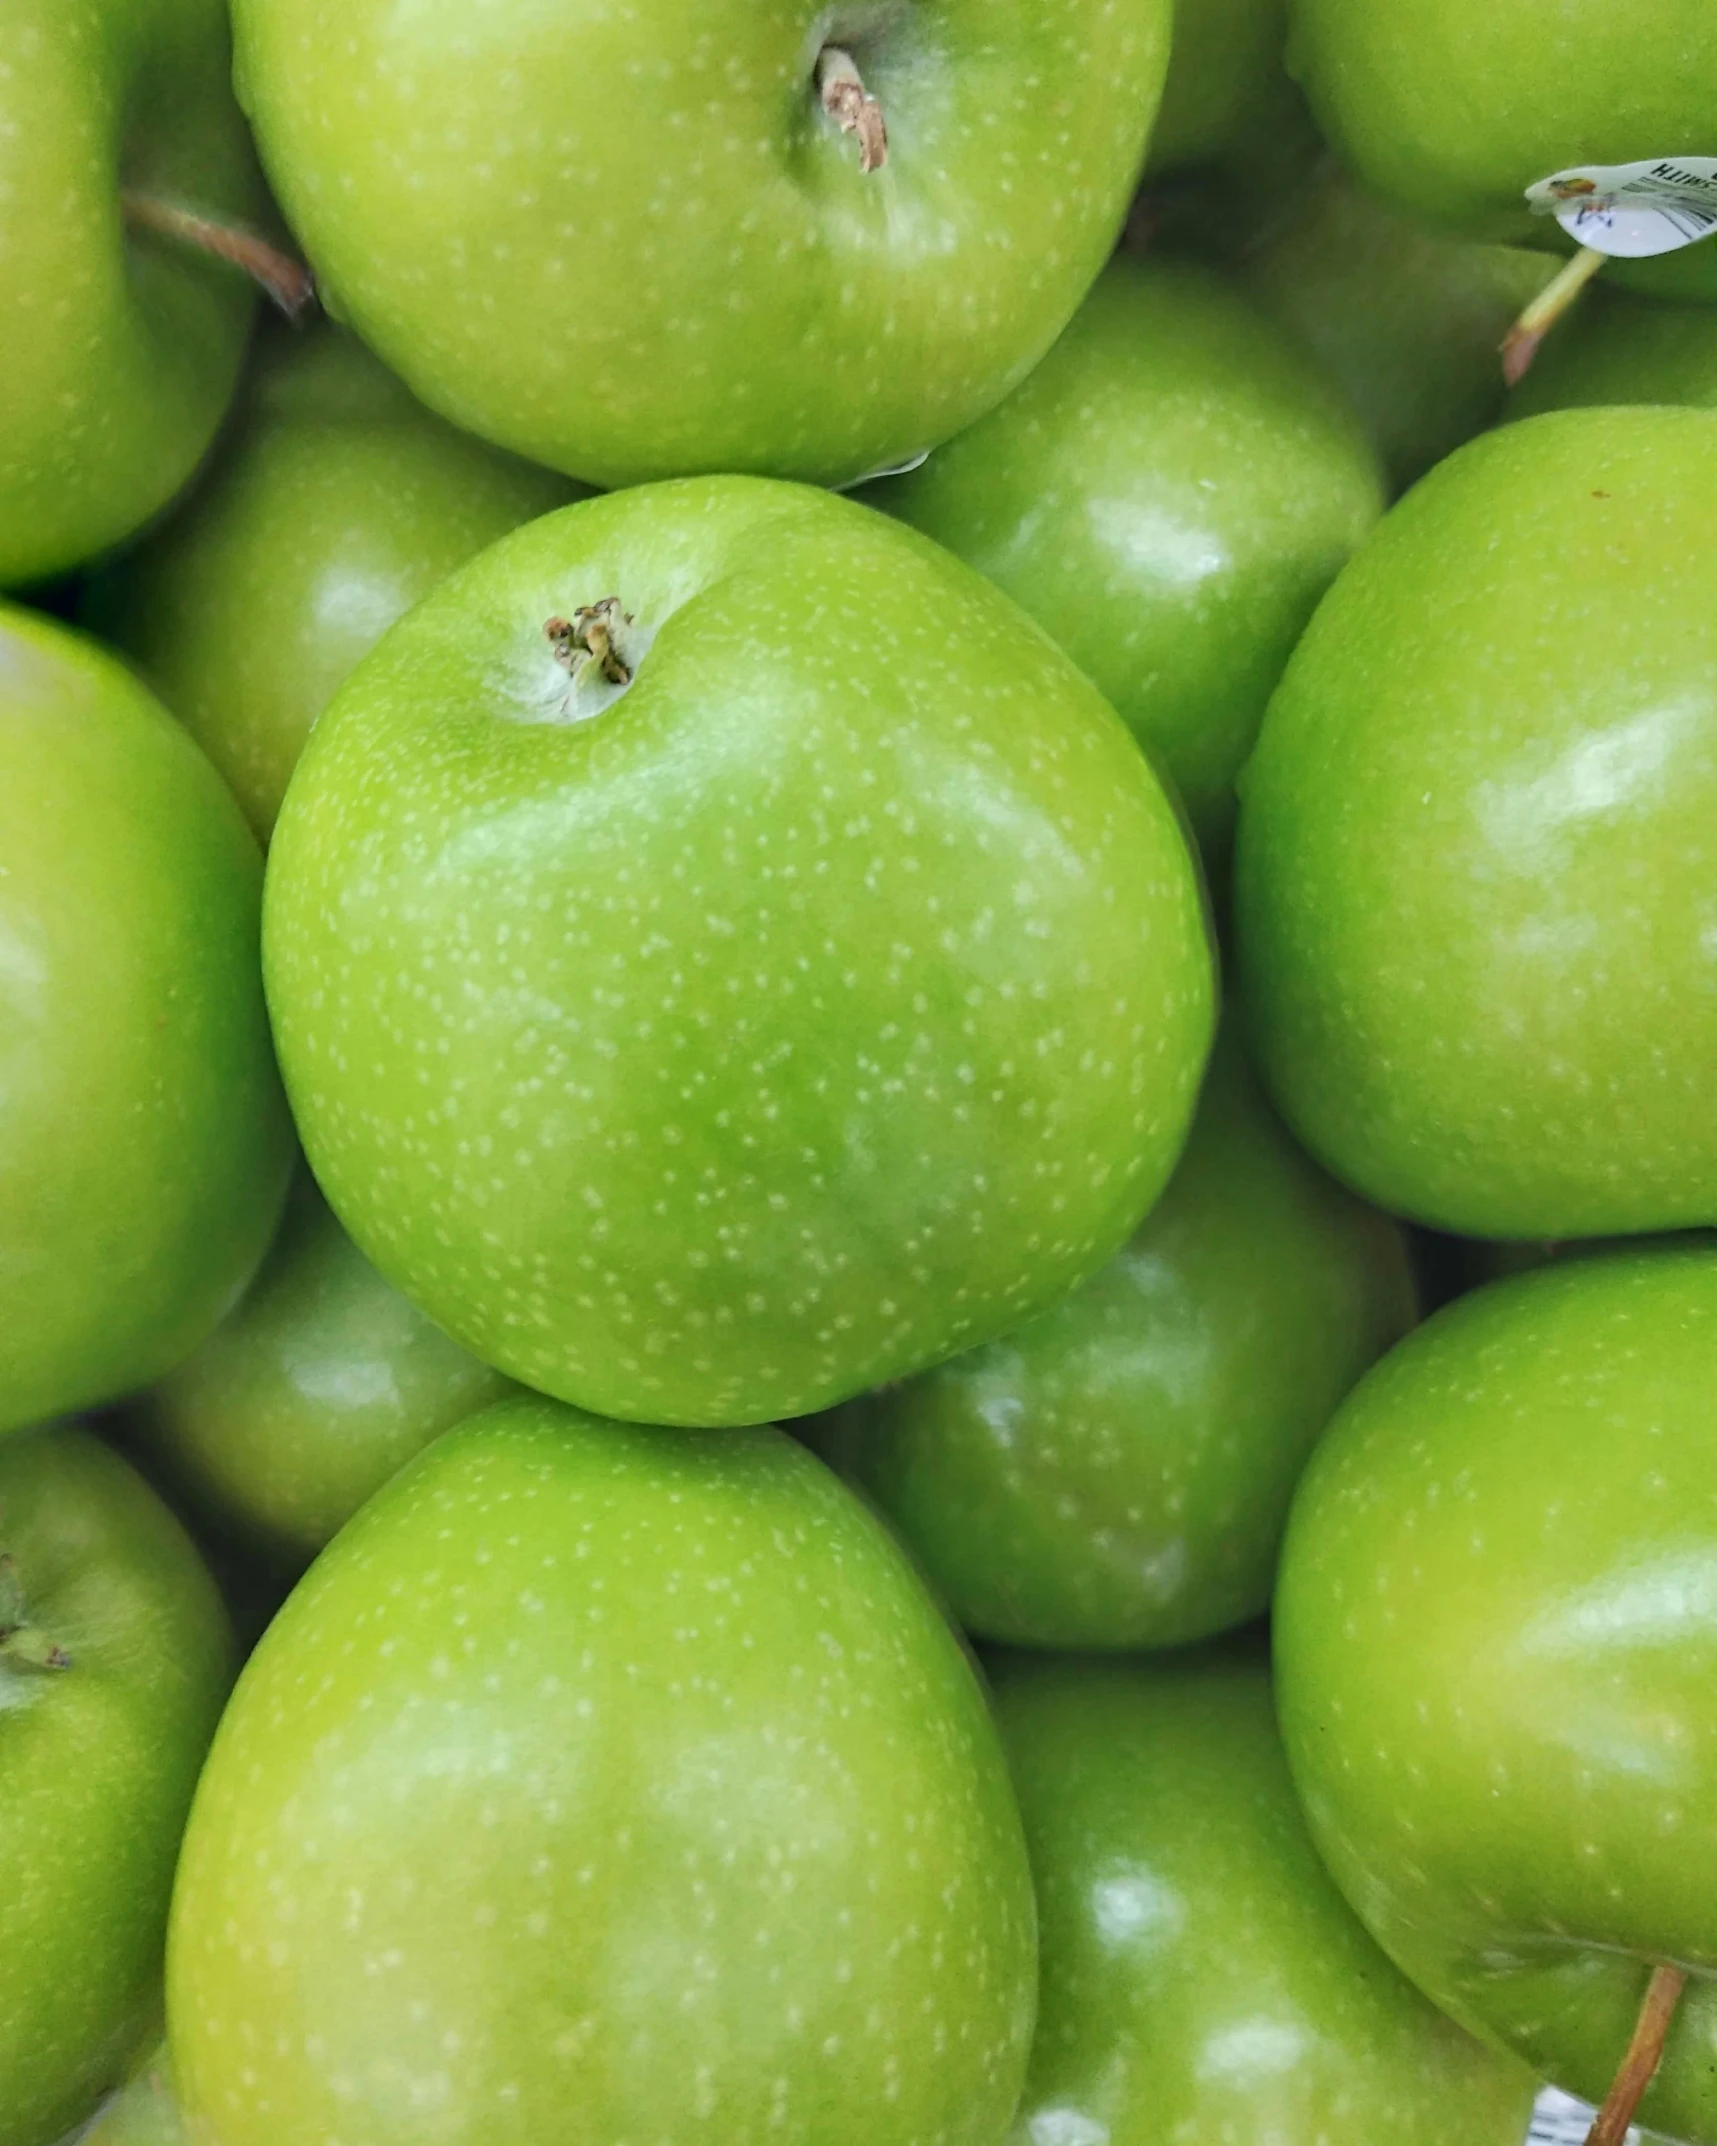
22 1645
593 639
851 106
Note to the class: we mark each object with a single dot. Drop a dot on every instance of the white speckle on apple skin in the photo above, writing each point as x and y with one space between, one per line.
605 1783
828 1005
633 246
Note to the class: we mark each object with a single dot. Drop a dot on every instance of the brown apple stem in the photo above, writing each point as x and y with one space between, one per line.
594 638
1645 2053
288 282
851 106
1522 342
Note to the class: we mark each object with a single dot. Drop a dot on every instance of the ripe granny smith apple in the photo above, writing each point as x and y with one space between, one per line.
1496 1643
1453 108
636 243
335 505
115 1656
144 1141
1117 1473
600 1783
122 346
322 1384
1169 495
1622 349
1478 842
1406 320
780 975
1202 1977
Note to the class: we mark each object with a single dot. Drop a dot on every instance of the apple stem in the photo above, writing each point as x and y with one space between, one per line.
851 106
1521 345
1645 2053
288 282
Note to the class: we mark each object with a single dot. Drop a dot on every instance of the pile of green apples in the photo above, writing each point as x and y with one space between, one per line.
858 1073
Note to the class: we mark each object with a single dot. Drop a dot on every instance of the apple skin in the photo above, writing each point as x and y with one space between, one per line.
684 270
1202 1977
1620 349
828 1002
335 504
123 349
97 1764
1225 80
322 1384
1495 1646
1168 495
1476 836
144 1140
604 1782
1454 111
1406 320
1117 1473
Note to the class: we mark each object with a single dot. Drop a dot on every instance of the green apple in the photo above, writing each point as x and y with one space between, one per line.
1455 107
600 1783
336 503
1202 1977
1234 142
115 1656
1496 1635
636 242
1117 1473
144 1141
123 345
1406 320
1620 349
1225 80
1169 495
322 1384
144 2112
723 956
1479 837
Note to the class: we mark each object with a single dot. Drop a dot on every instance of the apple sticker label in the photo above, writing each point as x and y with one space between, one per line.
1633 211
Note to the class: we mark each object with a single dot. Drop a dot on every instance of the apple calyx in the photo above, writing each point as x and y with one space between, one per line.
23 1646
1644 2054
1521 344
851 106
288 282
600 647
594 640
